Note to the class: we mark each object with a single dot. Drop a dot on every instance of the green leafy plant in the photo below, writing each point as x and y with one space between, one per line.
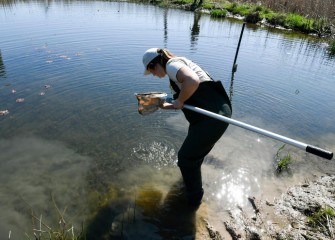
283 162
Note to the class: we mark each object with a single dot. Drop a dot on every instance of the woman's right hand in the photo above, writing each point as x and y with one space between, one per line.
177 104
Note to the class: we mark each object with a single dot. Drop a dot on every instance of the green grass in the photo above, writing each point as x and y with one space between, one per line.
234 8
242 10
276 19
254 13
182 2
323 220
283 162
208 6
299 23
218 13
257 12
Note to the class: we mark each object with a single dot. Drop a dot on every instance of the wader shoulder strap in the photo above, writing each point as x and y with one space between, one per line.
220 88
175 88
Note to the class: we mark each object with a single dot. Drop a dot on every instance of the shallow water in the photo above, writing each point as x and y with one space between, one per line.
77 137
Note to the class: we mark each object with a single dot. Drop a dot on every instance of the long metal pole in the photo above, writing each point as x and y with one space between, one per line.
308 148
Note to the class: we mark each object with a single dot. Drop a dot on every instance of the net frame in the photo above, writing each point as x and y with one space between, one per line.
149 102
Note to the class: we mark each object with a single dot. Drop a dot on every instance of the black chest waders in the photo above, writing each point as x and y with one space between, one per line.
203 133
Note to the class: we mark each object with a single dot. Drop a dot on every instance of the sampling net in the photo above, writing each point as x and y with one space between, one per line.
149 102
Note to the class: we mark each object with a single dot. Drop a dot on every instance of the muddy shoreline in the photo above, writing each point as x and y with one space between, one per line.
287 217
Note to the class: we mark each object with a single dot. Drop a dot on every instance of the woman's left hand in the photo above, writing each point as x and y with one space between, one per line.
166 105
175 105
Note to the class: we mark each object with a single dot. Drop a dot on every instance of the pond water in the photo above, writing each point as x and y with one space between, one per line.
75 140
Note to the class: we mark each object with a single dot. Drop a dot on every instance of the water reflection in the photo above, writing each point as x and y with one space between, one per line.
2 67
235 187
195 30
165 15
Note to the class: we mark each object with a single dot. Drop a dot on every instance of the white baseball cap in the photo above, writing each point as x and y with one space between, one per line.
148 56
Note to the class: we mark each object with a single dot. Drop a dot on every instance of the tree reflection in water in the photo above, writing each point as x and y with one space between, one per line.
2 67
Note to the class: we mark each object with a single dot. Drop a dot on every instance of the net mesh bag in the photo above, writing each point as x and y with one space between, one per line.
149 102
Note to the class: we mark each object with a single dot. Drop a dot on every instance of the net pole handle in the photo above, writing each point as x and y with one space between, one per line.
308 148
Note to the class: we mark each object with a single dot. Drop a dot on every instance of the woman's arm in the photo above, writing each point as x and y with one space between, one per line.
189 84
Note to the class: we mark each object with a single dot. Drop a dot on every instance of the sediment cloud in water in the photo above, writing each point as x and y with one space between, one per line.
31 171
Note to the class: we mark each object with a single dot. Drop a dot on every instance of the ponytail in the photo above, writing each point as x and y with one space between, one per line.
165 56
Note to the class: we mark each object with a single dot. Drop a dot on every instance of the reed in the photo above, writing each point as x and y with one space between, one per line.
62 231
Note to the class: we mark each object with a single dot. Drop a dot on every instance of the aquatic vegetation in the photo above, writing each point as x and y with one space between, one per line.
63 231
283 162
99 200
149 199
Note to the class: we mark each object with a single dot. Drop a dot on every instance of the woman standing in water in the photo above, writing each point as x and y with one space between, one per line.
192 85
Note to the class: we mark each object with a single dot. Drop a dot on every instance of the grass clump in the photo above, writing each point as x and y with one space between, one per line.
218 13
241 9
276 19
323 220
208 6
64 230
283 162
182 2
299 23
